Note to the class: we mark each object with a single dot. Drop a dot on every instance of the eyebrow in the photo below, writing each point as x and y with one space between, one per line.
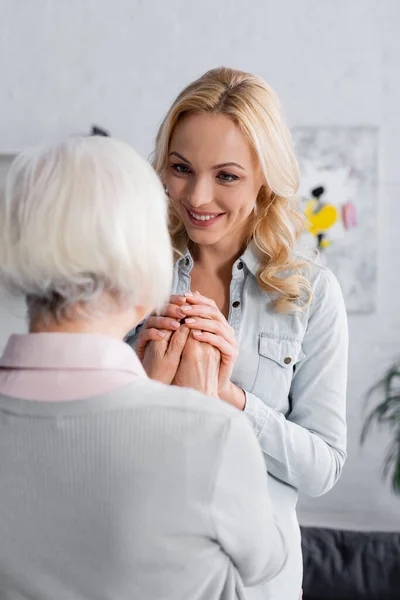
227 164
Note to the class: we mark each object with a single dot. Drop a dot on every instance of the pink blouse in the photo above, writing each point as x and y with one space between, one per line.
66 366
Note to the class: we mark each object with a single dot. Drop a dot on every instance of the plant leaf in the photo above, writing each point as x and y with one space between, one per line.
387 413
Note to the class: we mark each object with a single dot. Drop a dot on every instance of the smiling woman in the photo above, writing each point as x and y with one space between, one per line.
207 191
276 318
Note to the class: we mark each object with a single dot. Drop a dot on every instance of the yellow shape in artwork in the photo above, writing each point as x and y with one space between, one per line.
325 243
319 218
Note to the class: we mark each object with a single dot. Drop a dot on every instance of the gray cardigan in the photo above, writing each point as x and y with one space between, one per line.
151 492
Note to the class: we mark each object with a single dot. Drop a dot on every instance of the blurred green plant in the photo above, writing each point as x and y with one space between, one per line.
387 414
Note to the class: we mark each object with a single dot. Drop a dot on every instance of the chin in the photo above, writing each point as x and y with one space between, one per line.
205 238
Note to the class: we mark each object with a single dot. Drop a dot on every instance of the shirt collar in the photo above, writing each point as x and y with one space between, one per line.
70 351
186 261
250 257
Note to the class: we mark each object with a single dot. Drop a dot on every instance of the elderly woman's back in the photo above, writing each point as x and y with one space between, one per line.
98 494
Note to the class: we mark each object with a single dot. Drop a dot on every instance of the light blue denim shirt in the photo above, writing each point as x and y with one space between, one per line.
293 369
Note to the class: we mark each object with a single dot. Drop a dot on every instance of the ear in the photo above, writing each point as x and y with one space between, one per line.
260 176
264 189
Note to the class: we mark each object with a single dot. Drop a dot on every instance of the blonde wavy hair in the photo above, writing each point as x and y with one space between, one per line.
277 223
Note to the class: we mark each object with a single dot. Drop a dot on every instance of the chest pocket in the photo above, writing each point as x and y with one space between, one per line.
277 357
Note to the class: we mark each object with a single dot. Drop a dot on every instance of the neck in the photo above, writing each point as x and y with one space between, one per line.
84 326
114 324
219 257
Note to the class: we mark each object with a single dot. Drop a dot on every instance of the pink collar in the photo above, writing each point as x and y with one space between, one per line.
70 351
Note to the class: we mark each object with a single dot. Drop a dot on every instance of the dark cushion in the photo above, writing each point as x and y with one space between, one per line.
350 565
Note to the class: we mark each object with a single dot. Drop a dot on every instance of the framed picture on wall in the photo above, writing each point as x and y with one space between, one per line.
338 191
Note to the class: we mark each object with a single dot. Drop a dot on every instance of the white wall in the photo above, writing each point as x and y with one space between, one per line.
67 65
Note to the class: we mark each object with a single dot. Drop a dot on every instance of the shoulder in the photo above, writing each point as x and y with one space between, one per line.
326 307
326 284
322 280
327 293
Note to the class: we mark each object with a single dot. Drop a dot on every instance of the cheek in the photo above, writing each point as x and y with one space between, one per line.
240 200
176 192
176 187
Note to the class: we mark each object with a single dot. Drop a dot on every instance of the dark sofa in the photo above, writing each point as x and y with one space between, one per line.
350 565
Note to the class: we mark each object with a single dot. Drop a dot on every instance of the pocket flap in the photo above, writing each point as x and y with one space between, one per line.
285 352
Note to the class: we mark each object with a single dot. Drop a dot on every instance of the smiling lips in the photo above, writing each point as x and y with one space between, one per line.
203 219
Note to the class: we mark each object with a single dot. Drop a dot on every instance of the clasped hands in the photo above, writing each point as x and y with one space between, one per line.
199 353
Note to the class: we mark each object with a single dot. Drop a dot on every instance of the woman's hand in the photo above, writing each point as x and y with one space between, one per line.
158 328
161 359
209 325
199 367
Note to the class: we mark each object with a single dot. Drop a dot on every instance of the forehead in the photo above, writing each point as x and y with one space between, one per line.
211 139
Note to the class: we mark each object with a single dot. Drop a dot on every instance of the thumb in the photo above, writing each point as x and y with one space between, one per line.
178 341
146 336
141 348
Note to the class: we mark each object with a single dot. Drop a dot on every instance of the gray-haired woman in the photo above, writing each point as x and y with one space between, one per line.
113 485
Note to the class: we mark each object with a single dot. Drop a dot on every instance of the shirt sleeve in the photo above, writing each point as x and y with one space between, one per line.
132 337
308 448
241 508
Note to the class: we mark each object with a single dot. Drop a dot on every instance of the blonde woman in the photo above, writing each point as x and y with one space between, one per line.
98 495
225 156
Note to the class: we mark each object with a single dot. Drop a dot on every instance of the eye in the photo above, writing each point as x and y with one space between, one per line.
227 177
181 168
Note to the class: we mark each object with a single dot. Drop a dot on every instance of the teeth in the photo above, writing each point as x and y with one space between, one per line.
202 217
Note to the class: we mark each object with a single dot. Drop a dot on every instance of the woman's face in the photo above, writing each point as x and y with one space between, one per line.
213 178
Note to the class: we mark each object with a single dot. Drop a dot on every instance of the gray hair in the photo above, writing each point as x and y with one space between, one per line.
81 217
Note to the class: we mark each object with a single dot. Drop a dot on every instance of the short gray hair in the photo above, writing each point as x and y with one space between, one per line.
81 217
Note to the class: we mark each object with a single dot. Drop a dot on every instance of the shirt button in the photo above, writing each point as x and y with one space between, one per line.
240 266
287 360
236 304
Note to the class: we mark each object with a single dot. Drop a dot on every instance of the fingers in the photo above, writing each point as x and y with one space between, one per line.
210 326
203 311
163 322
177 299
198 298
154 335
227 351
177 343
173 311
170 311
192 303
150 335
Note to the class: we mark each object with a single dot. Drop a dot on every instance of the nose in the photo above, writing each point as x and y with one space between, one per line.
200 192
